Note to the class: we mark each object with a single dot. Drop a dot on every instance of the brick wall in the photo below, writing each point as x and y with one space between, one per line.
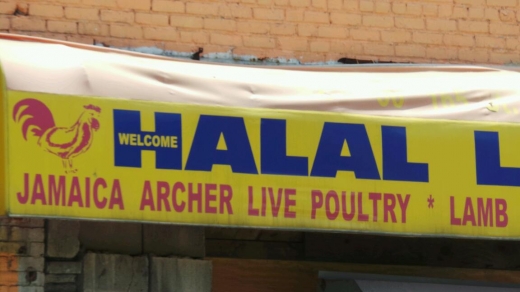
457 31
21 255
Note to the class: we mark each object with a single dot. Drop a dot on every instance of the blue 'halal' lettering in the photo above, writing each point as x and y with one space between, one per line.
205 152
130 141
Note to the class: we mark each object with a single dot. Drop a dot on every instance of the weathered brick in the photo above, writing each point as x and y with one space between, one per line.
333 32
383 7
28 24
198 37
117 16
268 14
6 263
100 3
320 4
351 5
18 233
473 26
364 34
459 40
460 12
168 6
409 22
4 230
5 23
161 33
344 47
490 42
259 42
7 7
293 43
225 39
253 27
399 8
513 43
81 13
294 15
186 21
134 4
279 3
9 278
316 17
430 9
283 29
53 11
445 11
507 15
471 2
510 3
334 4
11 248
319 46
474 56
379 49
378 21
504 58
38 234
300 3
60 27
396 36
441 25
151 18
441 53
126 31
410 51
366 6
428 38
220 24
92 28
235 11
345 18
88 40
37 249
202 8
504 29
491 14
307 30
265 2
36 263
476 13
413 8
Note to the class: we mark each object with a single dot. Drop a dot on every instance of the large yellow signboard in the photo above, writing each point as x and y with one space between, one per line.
147 161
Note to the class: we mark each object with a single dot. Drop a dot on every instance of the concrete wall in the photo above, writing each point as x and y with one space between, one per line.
456 31
106 256
21 255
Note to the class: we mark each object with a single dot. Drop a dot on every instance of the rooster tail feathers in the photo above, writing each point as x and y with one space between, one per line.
33 113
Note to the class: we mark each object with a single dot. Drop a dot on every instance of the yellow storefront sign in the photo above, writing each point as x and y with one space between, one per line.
101 134
148 161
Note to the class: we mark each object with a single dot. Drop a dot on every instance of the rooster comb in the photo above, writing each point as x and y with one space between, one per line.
93 107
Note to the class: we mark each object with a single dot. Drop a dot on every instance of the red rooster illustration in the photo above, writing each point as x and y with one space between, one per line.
64 142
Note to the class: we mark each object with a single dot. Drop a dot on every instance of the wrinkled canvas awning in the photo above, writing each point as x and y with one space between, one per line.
96 133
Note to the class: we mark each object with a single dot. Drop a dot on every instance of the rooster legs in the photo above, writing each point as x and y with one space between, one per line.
68 166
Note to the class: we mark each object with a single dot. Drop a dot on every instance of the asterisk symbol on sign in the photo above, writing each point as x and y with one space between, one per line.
430 202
